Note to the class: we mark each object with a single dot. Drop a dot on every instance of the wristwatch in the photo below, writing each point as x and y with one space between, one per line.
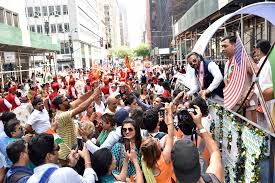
202 130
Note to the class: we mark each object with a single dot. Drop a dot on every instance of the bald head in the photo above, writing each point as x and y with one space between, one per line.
112 103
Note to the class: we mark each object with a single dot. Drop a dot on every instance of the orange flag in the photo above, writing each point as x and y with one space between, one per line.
127 63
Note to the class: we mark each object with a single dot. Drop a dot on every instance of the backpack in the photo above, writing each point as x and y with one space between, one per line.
159 135
143 79
210 178
18 174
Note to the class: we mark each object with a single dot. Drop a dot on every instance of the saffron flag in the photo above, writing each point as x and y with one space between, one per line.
127 63
233 91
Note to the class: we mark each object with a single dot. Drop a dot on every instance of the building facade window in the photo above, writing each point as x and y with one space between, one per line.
2 15
45 10
37 11
58 10
60 28
62 46
39 28
65 10
53 28
67 48
66 27
32 28
51 10
15 20
9 17
30 11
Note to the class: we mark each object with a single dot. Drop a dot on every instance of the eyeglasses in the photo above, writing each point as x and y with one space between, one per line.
127 129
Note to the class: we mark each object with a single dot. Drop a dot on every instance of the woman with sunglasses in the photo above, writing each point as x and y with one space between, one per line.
156 164
130 135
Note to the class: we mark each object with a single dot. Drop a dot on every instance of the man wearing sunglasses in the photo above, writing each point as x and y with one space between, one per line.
65 112
209 79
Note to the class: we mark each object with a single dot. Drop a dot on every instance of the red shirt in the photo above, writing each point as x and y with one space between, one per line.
105 90
11 99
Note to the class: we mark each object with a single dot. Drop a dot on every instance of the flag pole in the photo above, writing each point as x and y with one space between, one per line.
261 97
257 75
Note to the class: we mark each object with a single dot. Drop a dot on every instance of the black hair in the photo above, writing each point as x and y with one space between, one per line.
109 118
102 160
6 116
14 150
263 45
129 100
232 39
137 130
57 101
166 85
39 146
201 103
185 122
36 100
137 114
199 56
10 126
150 119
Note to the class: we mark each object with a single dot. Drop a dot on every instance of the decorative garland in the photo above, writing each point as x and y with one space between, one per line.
239 168
229 140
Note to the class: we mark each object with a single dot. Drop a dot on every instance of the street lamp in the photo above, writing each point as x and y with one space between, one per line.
71 46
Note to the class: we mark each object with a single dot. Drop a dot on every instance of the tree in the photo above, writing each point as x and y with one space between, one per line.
121 52
142 50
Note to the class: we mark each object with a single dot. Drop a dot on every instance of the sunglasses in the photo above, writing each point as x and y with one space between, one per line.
127 129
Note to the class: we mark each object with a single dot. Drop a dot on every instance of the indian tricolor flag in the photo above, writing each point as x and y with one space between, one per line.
57 139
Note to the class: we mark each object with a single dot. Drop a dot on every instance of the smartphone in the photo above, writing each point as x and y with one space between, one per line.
127 144
80 144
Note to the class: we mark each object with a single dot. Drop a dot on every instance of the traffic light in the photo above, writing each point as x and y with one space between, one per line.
101 42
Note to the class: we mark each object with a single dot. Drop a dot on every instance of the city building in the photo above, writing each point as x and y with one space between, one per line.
159 17
123 25
110 28
18 45
75 23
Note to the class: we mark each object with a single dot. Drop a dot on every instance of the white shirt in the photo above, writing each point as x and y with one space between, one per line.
39 120
63 175
265 81
214 69
100 108
159 89
112 138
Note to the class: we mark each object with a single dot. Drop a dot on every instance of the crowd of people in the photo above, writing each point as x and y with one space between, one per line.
113 126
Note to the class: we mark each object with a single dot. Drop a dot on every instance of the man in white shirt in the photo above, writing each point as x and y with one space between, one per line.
39 120
43 152
209 80
265 79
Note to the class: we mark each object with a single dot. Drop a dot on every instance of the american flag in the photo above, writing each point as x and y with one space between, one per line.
233 91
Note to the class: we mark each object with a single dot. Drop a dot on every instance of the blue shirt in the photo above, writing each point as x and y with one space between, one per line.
4 142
